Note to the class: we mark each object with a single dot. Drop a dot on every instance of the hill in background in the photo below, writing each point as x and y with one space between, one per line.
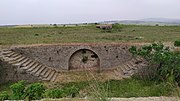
148 21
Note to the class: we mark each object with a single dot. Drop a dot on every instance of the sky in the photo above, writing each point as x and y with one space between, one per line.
83 11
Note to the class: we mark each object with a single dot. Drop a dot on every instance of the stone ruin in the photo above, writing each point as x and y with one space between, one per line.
45 62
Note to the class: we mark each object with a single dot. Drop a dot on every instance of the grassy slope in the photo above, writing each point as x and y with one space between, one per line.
87 34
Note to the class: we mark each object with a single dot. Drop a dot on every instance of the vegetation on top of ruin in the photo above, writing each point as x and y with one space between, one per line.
87 34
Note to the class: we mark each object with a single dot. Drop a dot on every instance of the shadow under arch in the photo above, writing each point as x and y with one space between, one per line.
84 59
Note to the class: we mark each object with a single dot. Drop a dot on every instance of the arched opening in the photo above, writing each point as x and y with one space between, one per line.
84 59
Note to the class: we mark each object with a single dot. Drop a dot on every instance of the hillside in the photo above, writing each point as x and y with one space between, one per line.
148 21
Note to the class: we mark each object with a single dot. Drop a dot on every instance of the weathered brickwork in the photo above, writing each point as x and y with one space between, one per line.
84 59
9 73
60 56
44 62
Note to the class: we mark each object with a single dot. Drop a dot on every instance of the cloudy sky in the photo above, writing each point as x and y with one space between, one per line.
76 11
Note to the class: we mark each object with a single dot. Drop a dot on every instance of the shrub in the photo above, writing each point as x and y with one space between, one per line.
71 91
35 91
54 93
166 62
156 24
177 43
54 24
4 96
18 90
117 27
133 50
36 34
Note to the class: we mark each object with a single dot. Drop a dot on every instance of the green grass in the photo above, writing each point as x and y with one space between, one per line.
88 34
5 87
125 88
118 88
138 88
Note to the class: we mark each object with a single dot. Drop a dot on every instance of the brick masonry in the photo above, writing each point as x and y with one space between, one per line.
67 57
61 56
9 73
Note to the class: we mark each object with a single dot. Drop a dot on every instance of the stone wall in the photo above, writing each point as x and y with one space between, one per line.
8 73
62 56
84 59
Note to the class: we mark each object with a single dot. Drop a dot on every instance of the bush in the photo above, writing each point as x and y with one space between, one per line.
4 96
35 91
54 93
68 91
177 43
71 91
18 90
36 34
166 62
117 27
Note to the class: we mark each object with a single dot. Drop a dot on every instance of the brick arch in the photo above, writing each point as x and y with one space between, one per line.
84 59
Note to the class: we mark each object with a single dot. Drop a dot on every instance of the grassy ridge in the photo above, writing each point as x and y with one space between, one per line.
88 34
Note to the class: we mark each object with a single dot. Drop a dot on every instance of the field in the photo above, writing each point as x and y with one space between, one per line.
126 88
88 34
